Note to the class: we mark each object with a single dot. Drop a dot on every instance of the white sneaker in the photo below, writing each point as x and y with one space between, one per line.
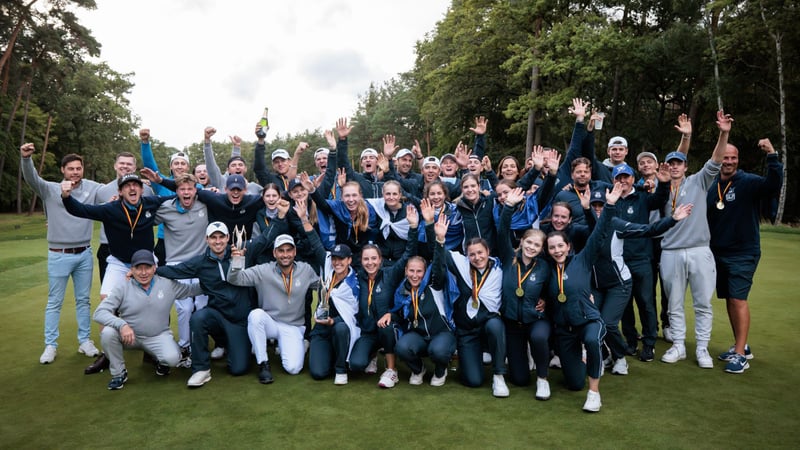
667 333
620 367
674 354
555 362
542 389
372 367
438 381
704 359
340 379
531 362
499 387
487 358
88 349
416 378
388 379
218 353
199 378
593 403
48 355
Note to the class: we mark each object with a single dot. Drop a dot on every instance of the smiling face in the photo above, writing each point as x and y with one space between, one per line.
341 266
677 169
179 166
370 261
217 242
509 169
478 256
617 154
558 248
186 194
270 197
647 166
235 195
73 171
391 195
561 217
299 193
351 196
201 173
369 164
430 172
143 273
730 162
531 246
280 165
415 272
502 191
321 161
581 175
124 165
626 181
470 189
284 255
131 192
436 196
449 167
404 164
474 166
237 166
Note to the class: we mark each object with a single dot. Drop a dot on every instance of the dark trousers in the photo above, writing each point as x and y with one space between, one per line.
644 294
612 303
233 337
328 349
412 346
569 340
518 336
102 254
368 344
470 344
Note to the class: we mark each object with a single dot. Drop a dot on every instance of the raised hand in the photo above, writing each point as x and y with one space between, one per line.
208 132
342 129
614 195
585 197
766 146
389 146
412 216
283 207
301 209
331 139
440 228
462 155
724 121
578 108
480 125
684 125
150 175
663 173
552 159
144 135
341 176
682 211
305 180
427 211
537 156
26 150
514 196
486 163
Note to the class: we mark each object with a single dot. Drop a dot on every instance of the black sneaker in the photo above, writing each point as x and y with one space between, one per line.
100 364
162 369
647 354
118 382
265 374
632 348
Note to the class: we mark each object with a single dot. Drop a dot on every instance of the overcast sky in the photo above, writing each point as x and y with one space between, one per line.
220 62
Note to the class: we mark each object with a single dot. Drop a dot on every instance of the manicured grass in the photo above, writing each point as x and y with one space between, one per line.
656 406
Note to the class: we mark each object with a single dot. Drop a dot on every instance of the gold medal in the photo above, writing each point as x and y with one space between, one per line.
520 292
474 303
720 205
562 297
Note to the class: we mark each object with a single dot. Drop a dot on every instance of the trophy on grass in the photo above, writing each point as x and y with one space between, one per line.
323 312
239 240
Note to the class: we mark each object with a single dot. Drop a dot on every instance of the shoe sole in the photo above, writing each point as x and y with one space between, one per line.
744 367
197 385
90 356
265 381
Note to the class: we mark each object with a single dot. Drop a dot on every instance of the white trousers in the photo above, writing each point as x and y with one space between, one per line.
261 326
695 267
185 307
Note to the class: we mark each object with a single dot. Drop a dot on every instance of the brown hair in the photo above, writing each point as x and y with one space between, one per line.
361 216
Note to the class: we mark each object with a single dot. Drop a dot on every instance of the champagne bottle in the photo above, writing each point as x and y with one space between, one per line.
264 123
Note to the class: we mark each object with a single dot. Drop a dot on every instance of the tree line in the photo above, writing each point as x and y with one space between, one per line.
516 62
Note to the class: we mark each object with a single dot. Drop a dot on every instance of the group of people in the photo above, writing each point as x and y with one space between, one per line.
522 269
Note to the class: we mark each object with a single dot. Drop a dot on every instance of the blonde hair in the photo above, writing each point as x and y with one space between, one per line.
361 215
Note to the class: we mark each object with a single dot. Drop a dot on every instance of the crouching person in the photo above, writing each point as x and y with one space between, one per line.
135 315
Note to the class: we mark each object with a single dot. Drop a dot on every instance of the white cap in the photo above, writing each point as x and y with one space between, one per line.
283 239
280 153
321 151
646 155
431 160
618 141
404 152
214 227
179 155
369 152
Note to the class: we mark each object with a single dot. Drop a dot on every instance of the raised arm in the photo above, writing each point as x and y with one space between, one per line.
260 168
724 122
505 247
214 172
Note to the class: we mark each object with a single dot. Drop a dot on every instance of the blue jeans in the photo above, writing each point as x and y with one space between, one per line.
60 266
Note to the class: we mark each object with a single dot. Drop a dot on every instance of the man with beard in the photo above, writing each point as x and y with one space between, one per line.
68 240
733 218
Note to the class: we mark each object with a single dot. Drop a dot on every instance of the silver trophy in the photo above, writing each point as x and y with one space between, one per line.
323 312
239 240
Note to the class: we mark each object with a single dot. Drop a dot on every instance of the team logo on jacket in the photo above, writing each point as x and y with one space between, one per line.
630 210
532 277
202 214
565 277
378 289
242 211
148 215
731 195
160 294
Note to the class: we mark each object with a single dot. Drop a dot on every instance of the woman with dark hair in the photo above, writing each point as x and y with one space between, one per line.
476 211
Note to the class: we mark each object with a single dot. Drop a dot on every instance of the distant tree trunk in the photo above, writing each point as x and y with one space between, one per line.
8 127
533 137
777 36
713 21
22 141
41 162
4 60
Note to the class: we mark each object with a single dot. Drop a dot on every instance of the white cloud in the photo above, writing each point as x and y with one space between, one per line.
216 62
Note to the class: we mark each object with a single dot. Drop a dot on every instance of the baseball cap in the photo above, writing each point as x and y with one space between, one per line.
647 155
235 158
617 141
369 152
130 177
143 257
283 239
448 155
179 155
235 181
214 227
293 183
321 151
404 152
280 153
598 195
621 169
474 156
431 160
341 251
675 155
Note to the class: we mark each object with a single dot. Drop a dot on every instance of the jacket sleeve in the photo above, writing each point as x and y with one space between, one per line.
214 172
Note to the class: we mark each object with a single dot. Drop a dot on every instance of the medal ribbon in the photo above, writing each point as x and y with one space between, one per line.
477 285
415 303
721 194
521 279
674 191
560 275
128 215
288 286
369 297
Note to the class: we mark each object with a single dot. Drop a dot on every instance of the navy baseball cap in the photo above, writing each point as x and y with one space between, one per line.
622 169
675 155
341 251
143 257
235 181
598 195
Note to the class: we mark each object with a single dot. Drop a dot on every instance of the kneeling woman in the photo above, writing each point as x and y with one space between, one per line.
423 314
476 312
576 317
335 330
